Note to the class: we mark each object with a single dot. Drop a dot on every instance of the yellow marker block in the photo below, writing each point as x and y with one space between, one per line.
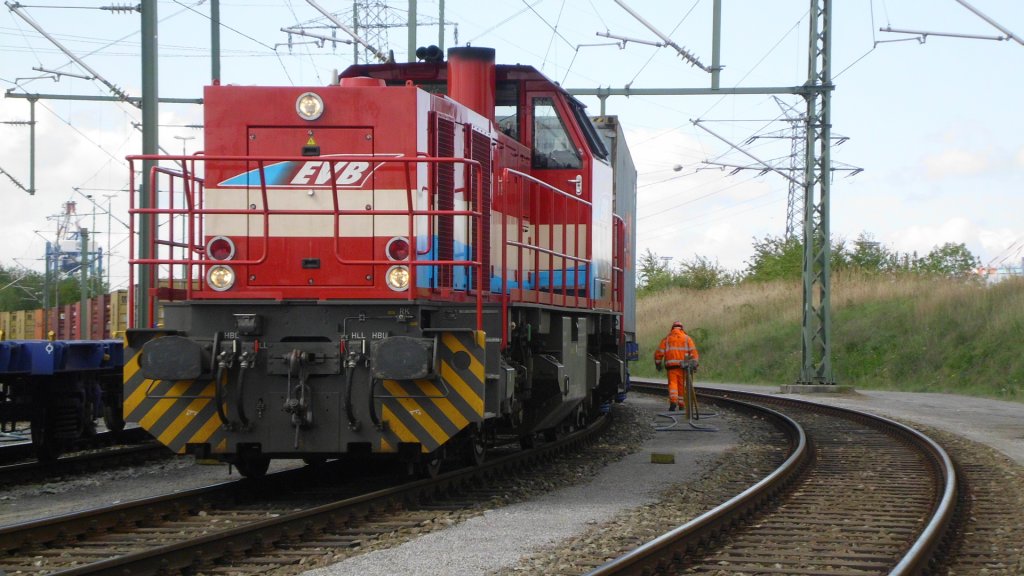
659 458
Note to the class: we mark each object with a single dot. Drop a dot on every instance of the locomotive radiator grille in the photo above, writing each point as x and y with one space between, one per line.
431 412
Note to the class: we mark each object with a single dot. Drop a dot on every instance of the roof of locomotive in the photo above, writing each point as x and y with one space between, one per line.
436 73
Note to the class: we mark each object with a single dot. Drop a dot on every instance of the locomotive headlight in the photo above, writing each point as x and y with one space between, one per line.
309 106
398 278
220 277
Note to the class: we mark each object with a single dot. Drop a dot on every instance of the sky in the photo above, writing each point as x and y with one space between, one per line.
934 122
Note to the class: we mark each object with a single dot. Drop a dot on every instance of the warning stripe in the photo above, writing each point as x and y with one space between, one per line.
179 388
462 389
205 433
476 366
135 387
182 419
395 425
176 413
418 413
445 405
431 412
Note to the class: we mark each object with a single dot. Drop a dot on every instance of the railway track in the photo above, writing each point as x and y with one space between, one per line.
104 451
83 462
13 452
248 527
858 494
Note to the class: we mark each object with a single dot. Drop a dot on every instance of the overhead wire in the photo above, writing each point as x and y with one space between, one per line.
664 211
505 21
555 31
657 50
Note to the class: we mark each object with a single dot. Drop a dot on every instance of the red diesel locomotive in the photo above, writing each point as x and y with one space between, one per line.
410 261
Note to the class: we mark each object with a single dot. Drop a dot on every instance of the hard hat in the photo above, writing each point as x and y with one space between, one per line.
677 324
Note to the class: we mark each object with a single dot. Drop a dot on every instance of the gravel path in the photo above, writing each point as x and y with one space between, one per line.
498 538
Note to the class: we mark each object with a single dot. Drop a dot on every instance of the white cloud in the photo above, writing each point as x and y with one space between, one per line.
955 162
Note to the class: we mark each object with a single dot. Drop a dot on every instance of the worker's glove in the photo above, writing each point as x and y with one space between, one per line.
658 367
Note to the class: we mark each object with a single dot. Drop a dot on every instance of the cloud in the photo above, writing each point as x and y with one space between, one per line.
954 163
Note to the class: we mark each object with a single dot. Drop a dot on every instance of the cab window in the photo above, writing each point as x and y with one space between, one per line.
506 108
552 146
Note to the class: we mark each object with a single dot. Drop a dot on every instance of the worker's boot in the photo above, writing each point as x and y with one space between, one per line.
671 407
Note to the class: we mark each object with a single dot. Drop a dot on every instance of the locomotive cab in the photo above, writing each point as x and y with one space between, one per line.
408 262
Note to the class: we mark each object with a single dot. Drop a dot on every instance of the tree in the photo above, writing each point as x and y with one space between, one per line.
20 289
654 273
776 258
871 257
703 274
950 259
23 290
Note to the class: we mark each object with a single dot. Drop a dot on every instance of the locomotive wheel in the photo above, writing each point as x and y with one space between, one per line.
252 466
476 450
113 417
431 465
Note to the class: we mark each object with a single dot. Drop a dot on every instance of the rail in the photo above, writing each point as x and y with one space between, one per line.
665 550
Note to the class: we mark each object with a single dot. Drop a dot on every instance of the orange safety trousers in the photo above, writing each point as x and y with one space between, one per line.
676 386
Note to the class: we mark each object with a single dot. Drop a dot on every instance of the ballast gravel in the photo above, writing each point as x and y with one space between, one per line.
597 512
499 538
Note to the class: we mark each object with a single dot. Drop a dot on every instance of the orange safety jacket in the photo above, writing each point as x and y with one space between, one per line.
675 349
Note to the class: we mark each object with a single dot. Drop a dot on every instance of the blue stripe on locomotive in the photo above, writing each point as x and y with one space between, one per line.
574 277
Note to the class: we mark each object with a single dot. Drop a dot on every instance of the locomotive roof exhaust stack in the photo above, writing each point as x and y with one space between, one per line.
471 78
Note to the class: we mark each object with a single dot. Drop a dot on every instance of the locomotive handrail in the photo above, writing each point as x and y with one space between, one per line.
619 270
194 221
562 279
522 210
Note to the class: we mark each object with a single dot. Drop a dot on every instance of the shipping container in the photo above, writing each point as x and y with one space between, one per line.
118 319
39 326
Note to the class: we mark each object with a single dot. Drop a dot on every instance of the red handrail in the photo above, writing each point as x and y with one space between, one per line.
523 196
194 212
518 195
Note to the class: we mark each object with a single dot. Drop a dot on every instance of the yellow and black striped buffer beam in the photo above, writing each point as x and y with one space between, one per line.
432 411
176 413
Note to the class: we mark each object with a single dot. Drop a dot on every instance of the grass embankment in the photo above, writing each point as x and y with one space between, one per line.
910 334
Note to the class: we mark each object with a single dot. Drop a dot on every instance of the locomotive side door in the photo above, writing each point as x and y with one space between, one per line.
560 159
301 248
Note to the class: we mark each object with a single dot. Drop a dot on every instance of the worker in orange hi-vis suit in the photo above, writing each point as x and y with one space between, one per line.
676 352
